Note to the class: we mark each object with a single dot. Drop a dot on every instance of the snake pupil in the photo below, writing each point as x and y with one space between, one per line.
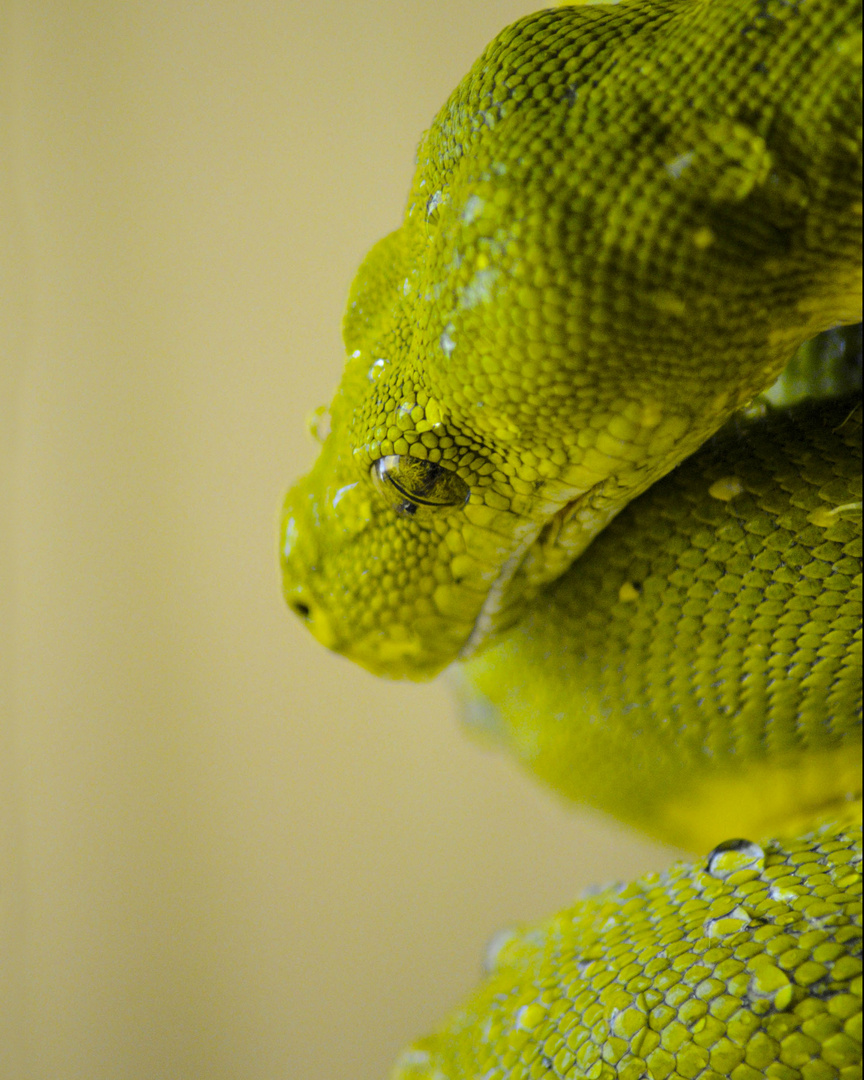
413 484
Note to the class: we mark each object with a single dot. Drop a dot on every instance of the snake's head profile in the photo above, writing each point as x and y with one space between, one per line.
466 464
399 547
569 308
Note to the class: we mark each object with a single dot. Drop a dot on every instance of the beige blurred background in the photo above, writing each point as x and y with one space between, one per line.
226 854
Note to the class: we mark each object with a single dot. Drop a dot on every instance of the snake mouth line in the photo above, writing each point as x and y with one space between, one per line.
485 622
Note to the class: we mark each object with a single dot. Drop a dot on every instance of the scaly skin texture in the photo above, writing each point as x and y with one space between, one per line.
713 631
744 966
698 673
623 222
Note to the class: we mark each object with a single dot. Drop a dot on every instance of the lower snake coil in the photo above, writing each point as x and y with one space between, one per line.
624 222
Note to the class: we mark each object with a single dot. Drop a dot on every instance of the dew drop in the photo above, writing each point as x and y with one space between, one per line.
596 888
290 533
767 979
413 1062
377 370
734 922
434 205
494 948
682 162
318 423
341 493
433 202
473 209
479 289
726 488
734 855
530 1017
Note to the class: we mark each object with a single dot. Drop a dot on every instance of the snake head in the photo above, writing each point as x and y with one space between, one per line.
396 546
440 505
569 308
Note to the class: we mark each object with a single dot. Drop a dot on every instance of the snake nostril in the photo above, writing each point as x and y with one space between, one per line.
301 609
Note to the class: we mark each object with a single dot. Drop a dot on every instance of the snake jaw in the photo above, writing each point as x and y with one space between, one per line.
486 624
543 556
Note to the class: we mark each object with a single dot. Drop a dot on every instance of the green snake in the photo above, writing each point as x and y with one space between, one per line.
623 222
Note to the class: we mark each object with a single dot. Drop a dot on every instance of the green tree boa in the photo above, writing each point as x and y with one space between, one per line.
624 221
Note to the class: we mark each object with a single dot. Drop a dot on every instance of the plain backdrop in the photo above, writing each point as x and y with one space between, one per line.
226 854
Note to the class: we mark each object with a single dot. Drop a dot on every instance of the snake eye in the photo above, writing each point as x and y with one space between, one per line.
418 488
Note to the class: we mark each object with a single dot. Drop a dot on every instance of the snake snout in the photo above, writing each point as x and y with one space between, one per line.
300 600
300 608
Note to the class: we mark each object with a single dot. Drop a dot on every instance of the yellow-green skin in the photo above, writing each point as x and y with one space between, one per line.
707 644
624 221
745 966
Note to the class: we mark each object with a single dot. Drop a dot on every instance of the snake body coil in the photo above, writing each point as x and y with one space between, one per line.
624 222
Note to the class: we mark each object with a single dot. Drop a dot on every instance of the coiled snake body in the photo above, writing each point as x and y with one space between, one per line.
624 221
